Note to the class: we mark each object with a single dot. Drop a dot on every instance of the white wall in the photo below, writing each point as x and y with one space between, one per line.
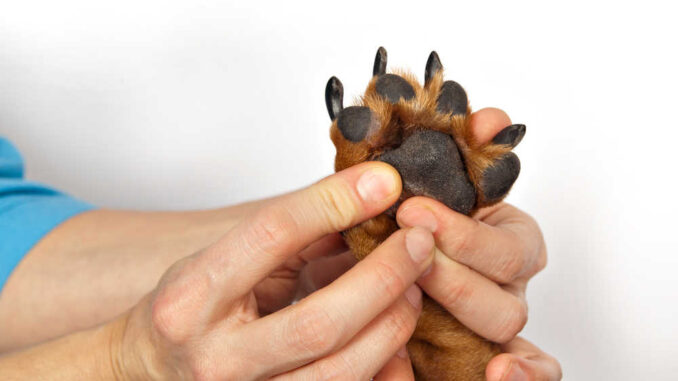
192 104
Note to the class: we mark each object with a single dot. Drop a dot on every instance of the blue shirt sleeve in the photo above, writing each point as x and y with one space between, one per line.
28 210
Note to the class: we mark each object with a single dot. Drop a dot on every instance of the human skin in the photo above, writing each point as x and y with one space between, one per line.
98 264
170 236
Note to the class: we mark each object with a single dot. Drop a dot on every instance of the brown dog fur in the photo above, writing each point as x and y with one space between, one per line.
441 347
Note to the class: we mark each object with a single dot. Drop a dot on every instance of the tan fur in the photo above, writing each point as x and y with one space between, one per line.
441 347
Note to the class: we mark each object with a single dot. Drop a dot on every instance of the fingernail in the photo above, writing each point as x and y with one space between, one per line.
376 184
416 215
402 353
514 373
419 244
413 295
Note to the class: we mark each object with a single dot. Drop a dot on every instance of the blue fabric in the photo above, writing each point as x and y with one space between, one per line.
28 210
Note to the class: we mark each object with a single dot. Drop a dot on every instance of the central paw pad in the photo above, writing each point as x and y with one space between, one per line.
424 132
430 165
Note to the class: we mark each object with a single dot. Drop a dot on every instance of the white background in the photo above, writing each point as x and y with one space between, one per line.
194 104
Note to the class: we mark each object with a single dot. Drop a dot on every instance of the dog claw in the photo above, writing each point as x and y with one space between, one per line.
511 135
334 97
380 62
433 66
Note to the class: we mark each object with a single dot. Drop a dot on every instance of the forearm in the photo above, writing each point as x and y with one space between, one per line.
97 265
83 355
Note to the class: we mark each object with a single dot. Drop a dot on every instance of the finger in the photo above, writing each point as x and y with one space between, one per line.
330 317
514 247
477 302
278 289
323 271
487 122
508 217
327 246
370 350
398 368
523 361
251 250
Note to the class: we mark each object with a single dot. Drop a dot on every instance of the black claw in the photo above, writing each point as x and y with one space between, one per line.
433 66
452 99
334 97
498 179
380 62
393 87
511 135
355 121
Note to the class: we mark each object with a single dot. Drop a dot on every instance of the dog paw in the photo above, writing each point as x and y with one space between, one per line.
424 132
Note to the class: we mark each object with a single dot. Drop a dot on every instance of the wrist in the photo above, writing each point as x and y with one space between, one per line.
119 361
132 356
92 354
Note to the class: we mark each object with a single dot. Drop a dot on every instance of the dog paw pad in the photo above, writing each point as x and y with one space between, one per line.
430 165
354 122
498 178
394 87
452 99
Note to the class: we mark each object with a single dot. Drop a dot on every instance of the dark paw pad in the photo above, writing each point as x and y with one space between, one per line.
498 178
393 87
452 99
355 122
430 165
511 135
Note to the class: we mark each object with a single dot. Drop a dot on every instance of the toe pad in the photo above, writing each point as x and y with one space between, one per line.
498 178
393 87
354 122
452 99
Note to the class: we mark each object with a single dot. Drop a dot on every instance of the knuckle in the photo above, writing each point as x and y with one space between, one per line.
514 321
271 231
200 372
557 369
389 282
336 205
399 326
171 305
542 257
539 256
510 265
165 320
456 295
463 241
311 330
334 368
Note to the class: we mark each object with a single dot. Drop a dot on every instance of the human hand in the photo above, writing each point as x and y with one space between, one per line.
202 320
482 266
